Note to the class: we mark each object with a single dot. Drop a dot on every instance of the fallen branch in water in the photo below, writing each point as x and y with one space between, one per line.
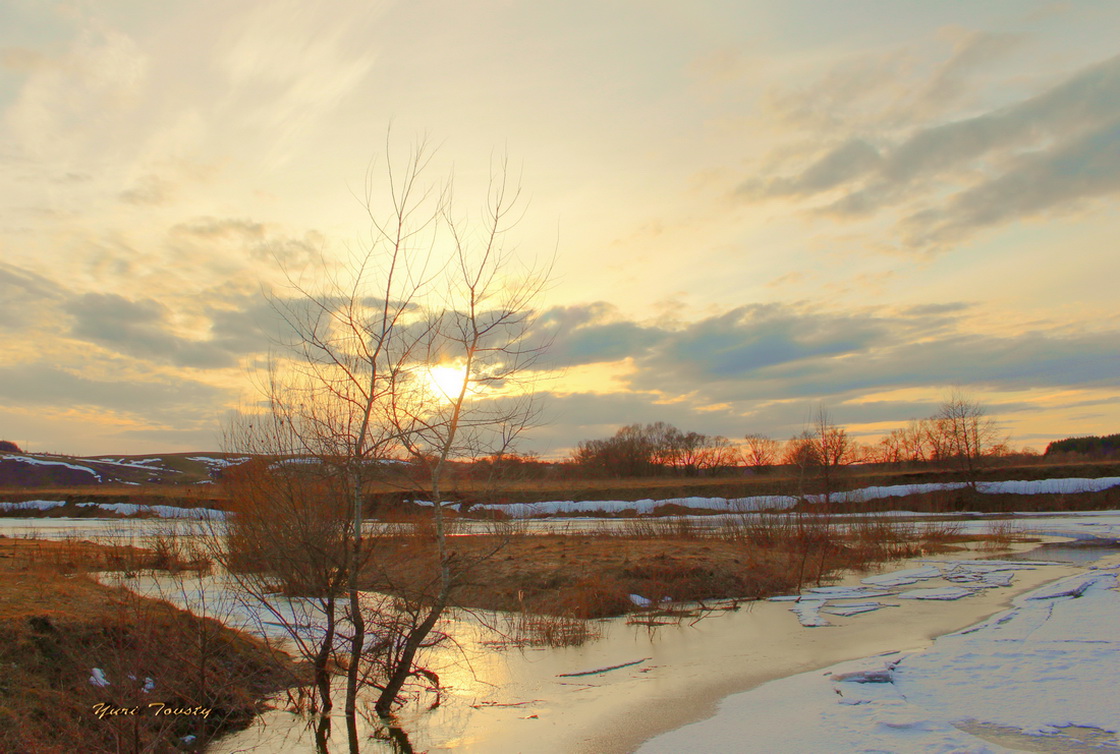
603 670
480 705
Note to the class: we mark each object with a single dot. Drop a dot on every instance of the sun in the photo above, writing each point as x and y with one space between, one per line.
446 382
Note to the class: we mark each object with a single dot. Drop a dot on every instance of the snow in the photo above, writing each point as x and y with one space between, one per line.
43 462
854 608
144 463
220 463
158 511
97 678
32 505
641 601
808 612
1039 677
782 502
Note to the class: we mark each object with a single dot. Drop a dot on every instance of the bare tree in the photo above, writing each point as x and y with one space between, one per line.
760 451
967 433
833 449
821 449
411 351
484 345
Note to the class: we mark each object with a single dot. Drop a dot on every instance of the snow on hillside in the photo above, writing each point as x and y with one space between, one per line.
219 463
44 462
144 463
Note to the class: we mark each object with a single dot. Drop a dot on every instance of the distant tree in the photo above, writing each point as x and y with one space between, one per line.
832 449
654 449
1091 445
968 434
692 452
628 453
760 451
6 446
891 447
634 450
820 450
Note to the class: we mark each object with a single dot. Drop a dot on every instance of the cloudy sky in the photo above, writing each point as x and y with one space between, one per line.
757 206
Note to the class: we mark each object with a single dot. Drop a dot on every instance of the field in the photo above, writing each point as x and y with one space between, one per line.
78 643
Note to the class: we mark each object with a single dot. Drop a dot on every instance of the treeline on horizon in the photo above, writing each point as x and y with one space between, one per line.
661 449
1091 445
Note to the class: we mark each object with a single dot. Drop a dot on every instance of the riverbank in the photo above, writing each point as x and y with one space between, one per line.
87 667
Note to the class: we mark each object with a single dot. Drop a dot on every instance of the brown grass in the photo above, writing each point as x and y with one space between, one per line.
58 624
593 575
71 556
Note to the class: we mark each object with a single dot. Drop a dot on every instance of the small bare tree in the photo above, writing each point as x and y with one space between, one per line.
412 351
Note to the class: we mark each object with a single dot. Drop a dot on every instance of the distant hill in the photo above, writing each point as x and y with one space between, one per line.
48 470
1091 445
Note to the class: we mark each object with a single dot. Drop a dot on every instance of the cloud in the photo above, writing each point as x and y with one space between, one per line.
592 333
765 353
156 400
951 178
1079 169
143 329
26 298
839 165
150 190
260 241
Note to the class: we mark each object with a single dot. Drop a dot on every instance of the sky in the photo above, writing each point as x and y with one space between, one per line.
753 207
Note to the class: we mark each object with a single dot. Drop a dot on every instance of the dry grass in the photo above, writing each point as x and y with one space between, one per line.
69 556
58 624
1000 535
667 561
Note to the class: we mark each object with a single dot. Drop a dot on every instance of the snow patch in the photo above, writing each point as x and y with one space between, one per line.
43 462
33 505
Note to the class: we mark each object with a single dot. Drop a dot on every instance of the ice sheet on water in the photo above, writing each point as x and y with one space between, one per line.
937 593
855 608
1041 668
808 613
1074 587
845 592
903 577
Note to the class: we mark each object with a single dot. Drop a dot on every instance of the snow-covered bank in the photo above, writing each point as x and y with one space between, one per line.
123 509
781 502
648 506
1042 673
